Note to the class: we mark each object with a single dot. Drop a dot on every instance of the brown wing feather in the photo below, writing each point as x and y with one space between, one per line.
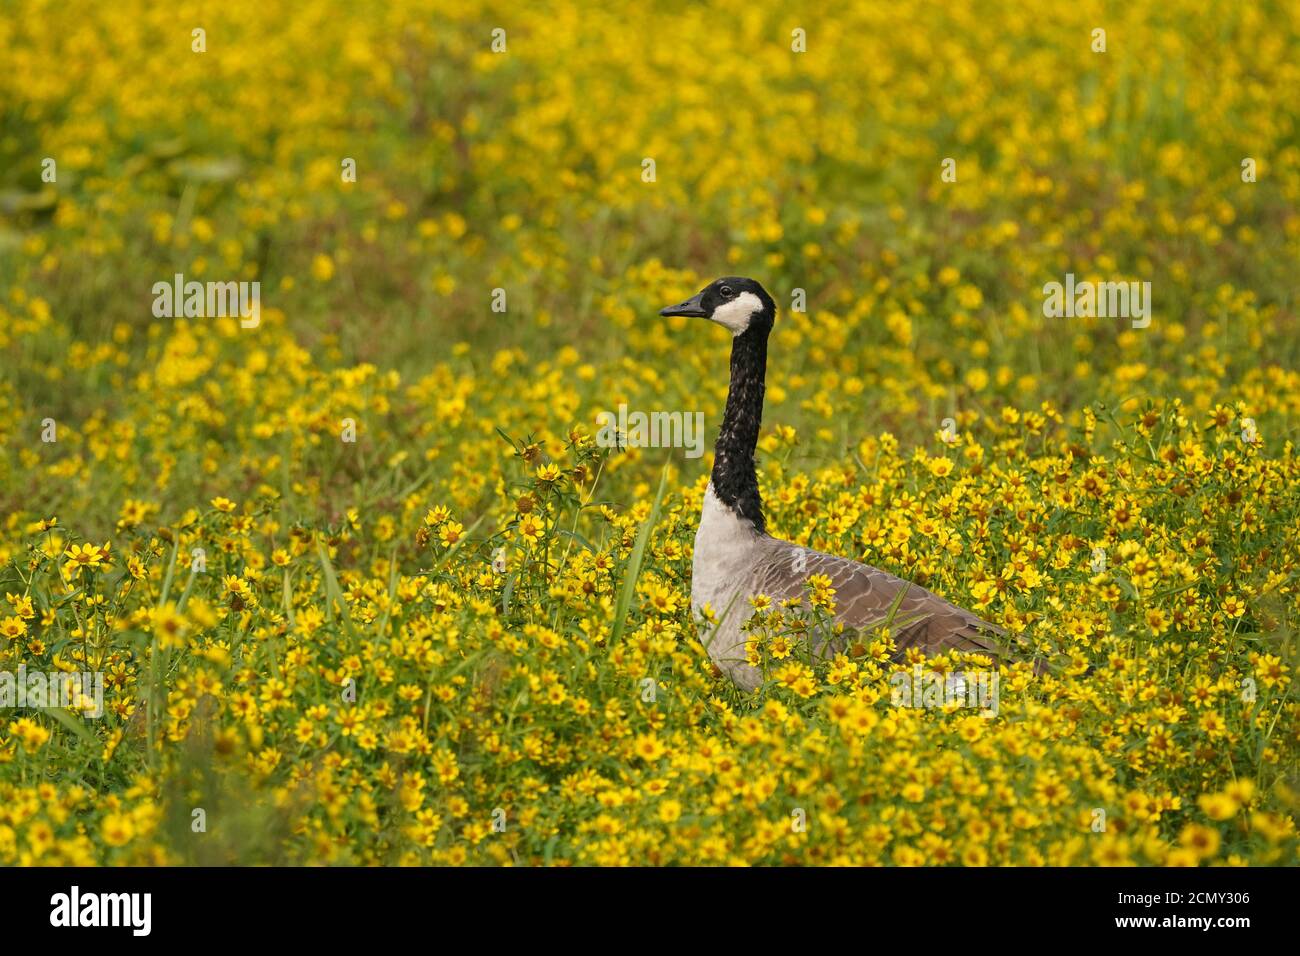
864 597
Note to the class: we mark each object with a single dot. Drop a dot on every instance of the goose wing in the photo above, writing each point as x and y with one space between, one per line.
866 597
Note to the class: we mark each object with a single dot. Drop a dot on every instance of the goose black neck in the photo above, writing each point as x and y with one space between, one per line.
734 482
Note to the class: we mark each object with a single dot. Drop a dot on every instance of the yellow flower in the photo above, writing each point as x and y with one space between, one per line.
32 735
1201 840
322 267
1218 806
13 627
444 764
86 556
648 747
530 528
117 829
940 467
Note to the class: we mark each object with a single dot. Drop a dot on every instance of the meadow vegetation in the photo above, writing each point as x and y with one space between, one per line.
465 637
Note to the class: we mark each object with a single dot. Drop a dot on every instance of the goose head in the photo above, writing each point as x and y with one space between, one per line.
737 303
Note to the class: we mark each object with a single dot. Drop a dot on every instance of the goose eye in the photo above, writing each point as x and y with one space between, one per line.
726 290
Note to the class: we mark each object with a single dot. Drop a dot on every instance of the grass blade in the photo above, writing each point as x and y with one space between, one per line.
635 560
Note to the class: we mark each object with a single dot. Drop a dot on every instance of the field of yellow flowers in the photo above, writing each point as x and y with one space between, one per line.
363 588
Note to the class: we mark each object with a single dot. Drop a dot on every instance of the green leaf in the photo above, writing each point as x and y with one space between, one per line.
333 592
635 560
74 724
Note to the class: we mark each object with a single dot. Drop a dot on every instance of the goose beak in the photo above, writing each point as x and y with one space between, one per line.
691 307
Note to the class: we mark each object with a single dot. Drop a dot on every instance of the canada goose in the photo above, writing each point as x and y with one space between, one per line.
735 558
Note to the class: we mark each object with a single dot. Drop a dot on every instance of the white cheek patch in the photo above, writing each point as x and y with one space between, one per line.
736 314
